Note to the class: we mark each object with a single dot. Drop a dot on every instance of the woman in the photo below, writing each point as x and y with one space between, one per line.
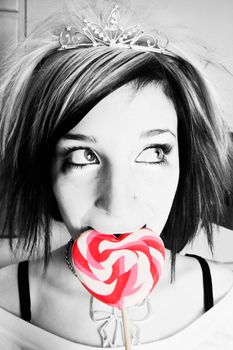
113 135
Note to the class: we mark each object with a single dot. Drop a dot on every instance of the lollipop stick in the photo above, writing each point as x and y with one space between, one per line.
126 328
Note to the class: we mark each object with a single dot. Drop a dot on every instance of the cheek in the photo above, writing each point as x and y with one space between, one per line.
74 197
158 191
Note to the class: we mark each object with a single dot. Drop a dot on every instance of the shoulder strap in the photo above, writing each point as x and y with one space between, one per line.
24 291
207 282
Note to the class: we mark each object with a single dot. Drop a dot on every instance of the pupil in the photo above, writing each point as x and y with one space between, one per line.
89 155
159 153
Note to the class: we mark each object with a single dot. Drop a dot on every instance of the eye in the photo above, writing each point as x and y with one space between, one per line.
155 154
82 157
78 158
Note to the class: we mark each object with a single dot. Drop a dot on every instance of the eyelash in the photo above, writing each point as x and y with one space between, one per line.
166 149
67 154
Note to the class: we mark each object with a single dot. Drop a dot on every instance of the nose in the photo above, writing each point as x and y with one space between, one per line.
117 207
115 194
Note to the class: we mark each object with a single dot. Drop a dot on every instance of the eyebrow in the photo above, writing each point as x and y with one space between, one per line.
79 137
143 135
155 132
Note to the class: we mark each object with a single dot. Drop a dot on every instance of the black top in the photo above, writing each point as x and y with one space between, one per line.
207 282
24 289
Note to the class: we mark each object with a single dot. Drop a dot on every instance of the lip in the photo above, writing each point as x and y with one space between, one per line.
117 235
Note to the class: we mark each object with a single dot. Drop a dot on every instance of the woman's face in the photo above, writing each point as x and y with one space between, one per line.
118 169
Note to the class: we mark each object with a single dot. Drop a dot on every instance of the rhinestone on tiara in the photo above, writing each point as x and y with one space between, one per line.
112 34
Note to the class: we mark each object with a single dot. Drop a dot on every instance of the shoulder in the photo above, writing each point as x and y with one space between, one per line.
9 291
221 275
9 296
222 279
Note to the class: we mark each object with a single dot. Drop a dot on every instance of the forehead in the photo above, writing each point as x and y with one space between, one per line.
128 112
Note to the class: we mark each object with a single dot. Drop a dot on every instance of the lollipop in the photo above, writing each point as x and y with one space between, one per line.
122 271
119 271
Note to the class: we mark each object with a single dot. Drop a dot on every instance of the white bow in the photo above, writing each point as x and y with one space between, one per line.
110 325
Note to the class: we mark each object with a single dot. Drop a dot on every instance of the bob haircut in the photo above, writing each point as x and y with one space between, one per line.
47 91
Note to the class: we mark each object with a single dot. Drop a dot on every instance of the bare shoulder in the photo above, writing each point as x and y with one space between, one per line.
9 297
222 278
9 292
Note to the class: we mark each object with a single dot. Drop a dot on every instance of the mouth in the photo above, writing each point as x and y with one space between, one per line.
117 235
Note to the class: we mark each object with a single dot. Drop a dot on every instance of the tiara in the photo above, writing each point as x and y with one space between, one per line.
112 34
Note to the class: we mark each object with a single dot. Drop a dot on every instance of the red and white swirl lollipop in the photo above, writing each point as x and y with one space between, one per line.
122 271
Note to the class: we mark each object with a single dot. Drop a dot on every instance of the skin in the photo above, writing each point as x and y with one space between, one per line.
123 185
59 237
119 193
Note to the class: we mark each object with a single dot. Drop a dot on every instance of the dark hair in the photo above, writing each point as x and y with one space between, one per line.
57 90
